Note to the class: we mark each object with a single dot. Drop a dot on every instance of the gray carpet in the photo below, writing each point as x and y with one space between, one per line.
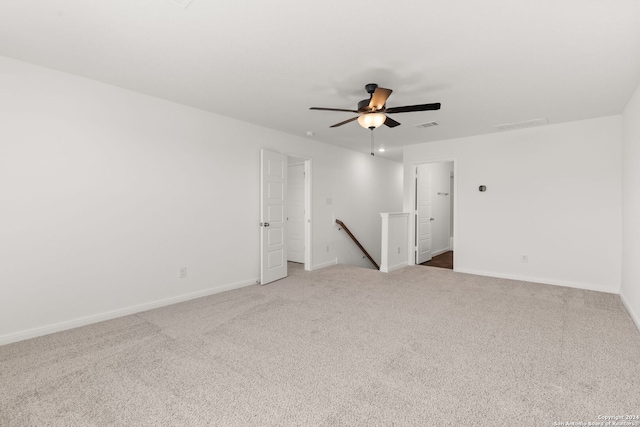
338 347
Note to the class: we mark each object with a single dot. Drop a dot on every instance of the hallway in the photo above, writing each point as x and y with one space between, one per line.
444 260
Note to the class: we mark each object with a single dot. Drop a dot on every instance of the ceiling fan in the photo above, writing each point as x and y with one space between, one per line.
373 112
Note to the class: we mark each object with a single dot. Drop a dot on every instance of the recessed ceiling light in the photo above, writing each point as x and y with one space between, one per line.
381 150
309 133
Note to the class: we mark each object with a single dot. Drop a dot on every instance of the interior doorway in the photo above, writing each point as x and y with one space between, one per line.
274 214
434 214
298 210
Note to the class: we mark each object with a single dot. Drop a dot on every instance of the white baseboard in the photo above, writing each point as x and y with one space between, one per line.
394 267
326 264
100 317
439 252
634 316
577 285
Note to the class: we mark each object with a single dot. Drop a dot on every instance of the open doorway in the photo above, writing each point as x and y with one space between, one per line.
274 217
298 211
433 214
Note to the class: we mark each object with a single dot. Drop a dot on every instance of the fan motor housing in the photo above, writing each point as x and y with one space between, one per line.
370 88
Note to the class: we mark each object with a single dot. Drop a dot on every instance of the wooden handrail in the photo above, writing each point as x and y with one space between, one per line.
364 251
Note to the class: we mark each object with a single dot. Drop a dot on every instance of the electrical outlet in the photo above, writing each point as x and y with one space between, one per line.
183 272
524 258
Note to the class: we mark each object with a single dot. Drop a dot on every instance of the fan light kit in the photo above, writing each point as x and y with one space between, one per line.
373 111
372 120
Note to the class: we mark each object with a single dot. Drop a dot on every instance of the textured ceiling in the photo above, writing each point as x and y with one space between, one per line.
488 63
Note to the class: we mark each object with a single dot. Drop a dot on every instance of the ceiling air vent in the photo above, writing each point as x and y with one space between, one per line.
427 125
520 125
183 3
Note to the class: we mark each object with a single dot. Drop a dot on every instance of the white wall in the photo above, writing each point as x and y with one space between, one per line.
106 193
630 287
553 193
395 240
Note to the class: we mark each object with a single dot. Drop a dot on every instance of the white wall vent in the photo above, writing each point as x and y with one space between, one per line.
427 125
182 3
524 124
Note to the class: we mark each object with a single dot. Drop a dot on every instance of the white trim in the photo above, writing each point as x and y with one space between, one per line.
394 267
576 285
83 321
634 317
439 252
394 214
308 240
326 264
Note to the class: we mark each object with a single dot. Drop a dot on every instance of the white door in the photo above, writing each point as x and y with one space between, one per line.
295 213
423 214
273 246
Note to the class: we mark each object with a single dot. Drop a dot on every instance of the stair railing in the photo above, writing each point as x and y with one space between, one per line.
364 251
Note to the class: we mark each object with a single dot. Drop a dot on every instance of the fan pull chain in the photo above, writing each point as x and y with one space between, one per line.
372 141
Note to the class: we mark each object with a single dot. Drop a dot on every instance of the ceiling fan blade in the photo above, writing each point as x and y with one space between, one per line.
410 108
345 122
332 109
391 123
379 98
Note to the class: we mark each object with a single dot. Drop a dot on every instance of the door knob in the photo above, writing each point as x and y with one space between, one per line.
264 224
431 219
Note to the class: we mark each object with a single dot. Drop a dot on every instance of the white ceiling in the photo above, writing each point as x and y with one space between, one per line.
488 62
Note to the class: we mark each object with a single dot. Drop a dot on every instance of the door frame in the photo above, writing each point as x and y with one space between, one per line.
307 208
413 194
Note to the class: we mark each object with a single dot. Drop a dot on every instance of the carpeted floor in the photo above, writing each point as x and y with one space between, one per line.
341 346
